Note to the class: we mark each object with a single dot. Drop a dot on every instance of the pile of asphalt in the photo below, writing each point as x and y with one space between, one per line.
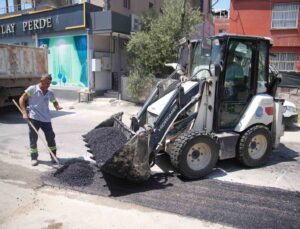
104 143
75 173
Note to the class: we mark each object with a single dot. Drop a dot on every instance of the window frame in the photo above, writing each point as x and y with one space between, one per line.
279 61
285 4
126 4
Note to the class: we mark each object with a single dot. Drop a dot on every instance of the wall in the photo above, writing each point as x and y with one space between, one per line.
100 47
255 17
221 24
136 6
98 2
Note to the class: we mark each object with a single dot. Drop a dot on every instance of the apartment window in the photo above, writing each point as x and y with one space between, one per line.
284 61
11 6
126 4
285 16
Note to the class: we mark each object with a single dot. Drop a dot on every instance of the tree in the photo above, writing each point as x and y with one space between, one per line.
157 43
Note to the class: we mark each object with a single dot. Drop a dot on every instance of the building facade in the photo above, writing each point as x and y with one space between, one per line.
86 39
278 19
221 21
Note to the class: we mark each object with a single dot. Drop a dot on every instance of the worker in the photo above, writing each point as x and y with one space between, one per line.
234 77
38 113
234 70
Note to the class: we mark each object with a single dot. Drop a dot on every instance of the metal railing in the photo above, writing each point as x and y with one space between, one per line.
37 4
15 8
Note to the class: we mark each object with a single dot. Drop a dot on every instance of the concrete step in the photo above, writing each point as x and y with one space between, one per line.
111 94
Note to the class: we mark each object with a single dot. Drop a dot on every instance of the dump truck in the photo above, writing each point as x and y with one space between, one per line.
226 109
20 67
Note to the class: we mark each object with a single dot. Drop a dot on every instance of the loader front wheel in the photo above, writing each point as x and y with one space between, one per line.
194 154
254 146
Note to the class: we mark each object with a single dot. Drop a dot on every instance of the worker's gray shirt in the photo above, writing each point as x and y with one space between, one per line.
38 103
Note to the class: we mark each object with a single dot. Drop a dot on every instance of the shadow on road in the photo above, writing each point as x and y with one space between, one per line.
120 187
223 167
292 128
283 154
11 115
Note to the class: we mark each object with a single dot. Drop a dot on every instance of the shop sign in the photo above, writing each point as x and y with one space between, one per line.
29 25
37 24
8 29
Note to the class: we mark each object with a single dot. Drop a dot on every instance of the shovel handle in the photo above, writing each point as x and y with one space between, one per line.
35 130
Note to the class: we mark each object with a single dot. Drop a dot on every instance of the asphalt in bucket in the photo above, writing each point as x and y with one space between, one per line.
104 142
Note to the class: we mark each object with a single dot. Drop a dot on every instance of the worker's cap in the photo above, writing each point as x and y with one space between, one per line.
46 76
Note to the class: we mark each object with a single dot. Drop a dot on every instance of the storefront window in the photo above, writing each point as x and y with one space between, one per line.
67 61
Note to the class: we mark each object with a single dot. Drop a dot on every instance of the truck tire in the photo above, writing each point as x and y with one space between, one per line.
194 154
254 146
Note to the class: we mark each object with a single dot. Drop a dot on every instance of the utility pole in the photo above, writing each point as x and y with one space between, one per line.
6 6
183 14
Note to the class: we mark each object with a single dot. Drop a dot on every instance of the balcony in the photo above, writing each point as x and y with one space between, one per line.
30 5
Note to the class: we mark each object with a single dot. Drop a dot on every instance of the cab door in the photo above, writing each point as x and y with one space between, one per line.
237 88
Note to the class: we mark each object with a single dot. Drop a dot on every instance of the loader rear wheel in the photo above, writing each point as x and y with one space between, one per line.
254 146
194 154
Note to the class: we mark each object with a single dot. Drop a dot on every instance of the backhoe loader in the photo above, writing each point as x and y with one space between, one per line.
226 109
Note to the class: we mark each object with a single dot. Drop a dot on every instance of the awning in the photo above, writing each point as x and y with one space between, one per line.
290 80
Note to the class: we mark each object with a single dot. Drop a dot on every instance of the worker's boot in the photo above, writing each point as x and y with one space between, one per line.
34 162
34 159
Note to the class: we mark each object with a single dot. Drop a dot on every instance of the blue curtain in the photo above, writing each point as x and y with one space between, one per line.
81 47
44 41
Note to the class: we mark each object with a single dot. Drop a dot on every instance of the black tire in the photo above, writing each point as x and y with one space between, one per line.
192 162
254 146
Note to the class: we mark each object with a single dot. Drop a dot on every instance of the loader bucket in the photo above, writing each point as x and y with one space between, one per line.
118 150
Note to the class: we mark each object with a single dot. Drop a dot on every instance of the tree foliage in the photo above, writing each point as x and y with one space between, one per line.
157 43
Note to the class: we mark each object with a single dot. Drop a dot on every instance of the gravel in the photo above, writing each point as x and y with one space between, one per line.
76 173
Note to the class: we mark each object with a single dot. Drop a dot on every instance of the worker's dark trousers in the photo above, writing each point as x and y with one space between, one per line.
33 137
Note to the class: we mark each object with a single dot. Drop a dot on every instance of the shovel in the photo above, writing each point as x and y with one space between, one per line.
41 137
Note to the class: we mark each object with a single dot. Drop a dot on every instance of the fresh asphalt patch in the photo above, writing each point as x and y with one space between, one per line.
76 173
237 205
